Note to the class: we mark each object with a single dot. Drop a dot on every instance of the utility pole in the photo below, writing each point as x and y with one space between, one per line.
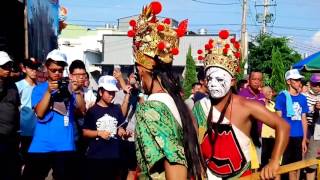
265 14
244 35
266 17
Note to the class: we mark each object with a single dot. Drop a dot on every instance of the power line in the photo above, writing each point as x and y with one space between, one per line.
251 16
302 3
87 20
306 46
214 25
312 29
303 49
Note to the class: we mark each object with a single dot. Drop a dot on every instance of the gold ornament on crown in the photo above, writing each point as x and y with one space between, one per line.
224 53
152 37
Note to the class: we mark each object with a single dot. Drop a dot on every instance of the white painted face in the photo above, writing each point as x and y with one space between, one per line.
219 82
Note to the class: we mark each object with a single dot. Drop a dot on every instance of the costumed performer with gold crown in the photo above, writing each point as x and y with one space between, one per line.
225 119
166 139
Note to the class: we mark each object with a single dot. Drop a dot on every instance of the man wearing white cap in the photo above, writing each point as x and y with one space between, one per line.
9 120
292 106
55 102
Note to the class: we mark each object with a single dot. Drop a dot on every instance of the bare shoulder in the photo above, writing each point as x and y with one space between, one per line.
247 105
240 103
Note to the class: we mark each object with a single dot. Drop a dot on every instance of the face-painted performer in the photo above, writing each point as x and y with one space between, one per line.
224 118
166 139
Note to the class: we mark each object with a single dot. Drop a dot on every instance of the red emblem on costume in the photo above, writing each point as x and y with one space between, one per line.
224 156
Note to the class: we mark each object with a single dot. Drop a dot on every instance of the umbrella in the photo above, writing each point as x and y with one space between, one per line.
310 63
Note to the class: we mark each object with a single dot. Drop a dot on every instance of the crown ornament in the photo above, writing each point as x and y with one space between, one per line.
153 38
223 53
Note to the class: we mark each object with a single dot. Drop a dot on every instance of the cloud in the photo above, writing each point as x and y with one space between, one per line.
316 39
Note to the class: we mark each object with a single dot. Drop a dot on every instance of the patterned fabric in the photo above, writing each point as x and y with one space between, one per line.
312 99
158 136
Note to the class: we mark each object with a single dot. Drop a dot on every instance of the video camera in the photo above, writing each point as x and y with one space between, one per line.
63 93
63 83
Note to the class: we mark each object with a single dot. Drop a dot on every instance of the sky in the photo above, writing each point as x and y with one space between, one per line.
297 20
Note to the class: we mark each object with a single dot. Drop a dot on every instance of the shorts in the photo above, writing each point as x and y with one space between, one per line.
293 152
313 147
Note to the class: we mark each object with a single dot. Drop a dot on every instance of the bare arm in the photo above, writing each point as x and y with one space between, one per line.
78 91
118 75
304 125
282 130
80 103
281 127
175 171
94 133
90 133
125 105
305 132
43 106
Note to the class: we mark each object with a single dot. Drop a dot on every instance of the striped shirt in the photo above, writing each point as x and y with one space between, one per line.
312 98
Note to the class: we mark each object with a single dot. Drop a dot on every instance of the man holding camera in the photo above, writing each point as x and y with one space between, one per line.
55 103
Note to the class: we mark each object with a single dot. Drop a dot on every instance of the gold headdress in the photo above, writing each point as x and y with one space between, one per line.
225 53
152 37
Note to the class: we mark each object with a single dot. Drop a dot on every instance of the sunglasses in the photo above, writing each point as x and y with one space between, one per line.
56 70
7 66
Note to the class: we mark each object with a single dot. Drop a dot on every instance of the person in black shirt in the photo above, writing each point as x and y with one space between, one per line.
9 121
103 126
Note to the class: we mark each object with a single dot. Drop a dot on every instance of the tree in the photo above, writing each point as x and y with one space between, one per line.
260 56
277 81
190 75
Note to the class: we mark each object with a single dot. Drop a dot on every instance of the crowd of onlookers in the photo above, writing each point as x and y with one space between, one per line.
50 122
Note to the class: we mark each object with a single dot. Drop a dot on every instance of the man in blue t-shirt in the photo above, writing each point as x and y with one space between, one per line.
55 103
292 106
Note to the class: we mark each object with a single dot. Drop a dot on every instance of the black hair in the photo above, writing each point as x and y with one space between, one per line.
100 89
213 126
76 64
251 73
59 63
196 165
196 84
201 74
304 82
241 83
